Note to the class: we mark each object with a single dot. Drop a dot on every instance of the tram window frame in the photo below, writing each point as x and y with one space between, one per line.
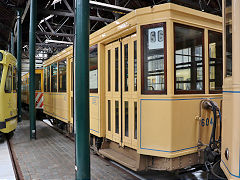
45 79
92 68
10 77
61 83
203 61
14 74
216 89
38 83
109 69
55 76
228 39
48 79
143 43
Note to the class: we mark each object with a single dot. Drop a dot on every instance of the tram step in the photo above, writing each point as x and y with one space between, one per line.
119 157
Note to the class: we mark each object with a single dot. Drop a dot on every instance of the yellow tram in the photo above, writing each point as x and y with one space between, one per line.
8 95
38 89
149 73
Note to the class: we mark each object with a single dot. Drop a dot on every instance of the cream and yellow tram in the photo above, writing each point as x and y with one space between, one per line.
230 151
8 95
149 72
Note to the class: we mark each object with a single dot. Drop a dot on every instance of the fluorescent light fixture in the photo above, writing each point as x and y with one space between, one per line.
58 42
46 18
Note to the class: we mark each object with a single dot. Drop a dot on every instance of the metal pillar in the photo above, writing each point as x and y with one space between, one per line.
12 43
32 42
81 90
19 63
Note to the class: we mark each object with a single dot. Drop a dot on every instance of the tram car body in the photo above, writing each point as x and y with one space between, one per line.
8 94
38 90
149 72
230 154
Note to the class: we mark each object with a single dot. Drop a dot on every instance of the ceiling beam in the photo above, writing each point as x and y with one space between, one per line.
55 34
109 6
68 14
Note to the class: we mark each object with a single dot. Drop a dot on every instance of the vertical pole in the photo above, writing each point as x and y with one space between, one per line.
12 43
32 43
19 63
81 92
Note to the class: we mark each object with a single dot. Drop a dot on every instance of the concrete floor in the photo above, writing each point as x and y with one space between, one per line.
52 156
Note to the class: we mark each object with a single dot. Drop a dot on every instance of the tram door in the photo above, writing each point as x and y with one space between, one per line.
121 92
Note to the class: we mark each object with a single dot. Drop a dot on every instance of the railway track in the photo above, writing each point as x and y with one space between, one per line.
15 163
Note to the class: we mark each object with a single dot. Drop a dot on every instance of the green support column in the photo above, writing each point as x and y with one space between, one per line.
19 63
12 43
32 43
81 90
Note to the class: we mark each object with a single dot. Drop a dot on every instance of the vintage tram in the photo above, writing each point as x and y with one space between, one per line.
150 71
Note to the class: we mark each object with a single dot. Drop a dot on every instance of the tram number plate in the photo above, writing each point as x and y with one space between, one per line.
206 122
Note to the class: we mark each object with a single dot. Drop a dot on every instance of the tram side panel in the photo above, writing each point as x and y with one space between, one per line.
8 95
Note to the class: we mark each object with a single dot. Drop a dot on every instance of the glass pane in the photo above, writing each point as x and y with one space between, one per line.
116 117
135 65
153 42
135 120
54 77
126 118
45 79
14 78
38 82
116 68
109 115
215 61
188 58
48 79
72 75
8 83
228 24
126 66
109 70
1 71
93 72
62 76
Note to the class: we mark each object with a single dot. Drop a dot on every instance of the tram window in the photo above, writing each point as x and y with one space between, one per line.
62 77
48 78
54 77
135 120
72 75
189 77
126 67
38 82
215 61
93 72
45 79
8 83
109 115
154 59
14 79
1 71
117 117
109 70
228 29
126 118
116 68
135 65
